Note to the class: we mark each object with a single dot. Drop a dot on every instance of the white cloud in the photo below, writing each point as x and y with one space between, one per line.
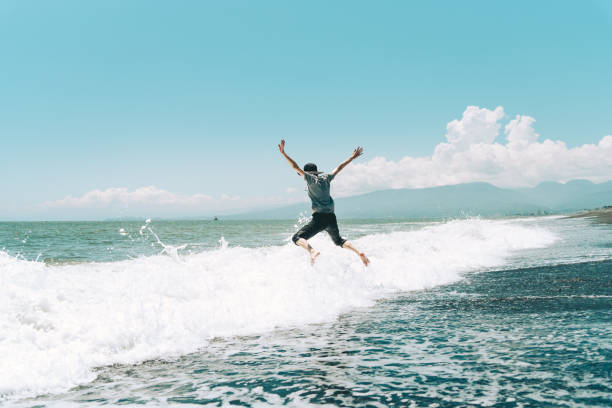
476 126
149 195
153 200
471 153
520 132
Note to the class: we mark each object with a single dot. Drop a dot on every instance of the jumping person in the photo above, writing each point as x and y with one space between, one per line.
323 217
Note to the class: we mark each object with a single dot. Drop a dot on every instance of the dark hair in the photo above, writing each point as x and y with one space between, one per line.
310 167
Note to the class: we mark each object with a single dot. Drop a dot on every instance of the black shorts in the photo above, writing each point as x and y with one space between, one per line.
320 222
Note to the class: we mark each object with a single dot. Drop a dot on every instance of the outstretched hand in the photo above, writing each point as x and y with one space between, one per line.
281 146
357 152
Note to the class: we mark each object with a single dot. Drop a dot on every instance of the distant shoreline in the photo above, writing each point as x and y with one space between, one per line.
603 215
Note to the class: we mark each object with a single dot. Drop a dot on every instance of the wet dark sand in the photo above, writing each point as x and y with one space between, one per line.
603 215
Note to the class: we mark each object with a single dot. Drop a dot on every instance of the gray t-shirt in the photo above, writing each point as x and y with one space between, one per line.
318 191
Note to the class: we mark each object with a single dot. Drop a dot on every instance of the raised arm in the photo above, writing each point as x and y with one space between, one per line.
293 164
356 153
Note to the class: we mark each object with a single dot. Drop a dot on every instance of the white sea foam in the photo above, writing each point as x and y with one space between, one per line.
58 322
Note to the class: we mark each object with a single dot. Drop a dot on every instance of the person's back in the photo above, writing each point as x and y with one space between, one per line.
318 192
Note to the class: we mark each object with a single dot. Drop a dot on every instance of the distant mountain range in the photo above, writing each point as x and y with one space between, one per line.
471 199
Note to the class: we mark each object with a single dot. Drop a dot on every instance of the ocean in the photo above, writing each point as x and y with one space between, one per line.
513 312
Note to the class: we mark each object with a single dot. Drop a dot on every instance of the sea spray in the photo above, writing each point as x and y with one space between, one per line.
58 322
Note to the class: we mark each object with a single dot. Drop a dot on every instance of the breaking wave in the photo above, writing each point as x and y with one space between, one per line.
58 322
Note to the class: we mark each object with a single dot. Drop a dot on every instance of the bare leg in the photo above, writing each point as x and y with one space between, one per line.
313 253
363 257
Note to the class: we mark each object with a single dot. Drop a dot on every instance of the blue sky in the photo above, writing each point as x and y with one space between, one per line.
193 96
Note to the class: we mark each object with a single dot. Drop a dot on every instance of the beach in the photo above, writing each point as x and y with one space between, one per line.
603 215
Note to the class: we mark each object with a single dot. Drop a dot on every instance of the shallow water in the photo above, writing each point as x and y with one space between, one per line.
461 313
104 241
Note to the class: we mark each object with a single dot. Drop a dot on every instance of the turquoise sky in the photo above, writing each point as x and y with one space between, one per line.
193 96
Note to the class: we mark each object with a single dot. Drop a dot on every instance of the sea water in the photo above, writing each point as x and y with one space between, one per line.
470 312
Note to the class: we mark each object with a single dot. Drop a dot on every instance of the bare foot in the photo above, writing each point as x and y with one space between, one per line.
364 258
313 256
